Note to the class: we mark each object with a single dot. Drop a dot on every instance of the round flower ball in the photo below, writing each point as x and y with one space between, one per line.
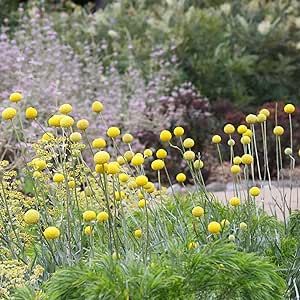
138 233
254 191
231 238
127 138
9 113
31 217
178 131
97 107
157 165
66 122
225 223
251 119
231 142
99 143
15 97
198 211
235 169
31 113
188 143
128 155
189 155
165 136
82 124
198 164
245 140
88 230
47 136
101 157
181 177
51 233
54 121
58 178
278 130
216 139
65 109
243 226
265 111
148 153
289 108
89 215
288 151
193 245
229 129
261 118
247 159
237 160
161 153
123 177
102 216
137 160
214 227
242 129
113 168
142 203
248 133
235 201
141 180
113 132
75 137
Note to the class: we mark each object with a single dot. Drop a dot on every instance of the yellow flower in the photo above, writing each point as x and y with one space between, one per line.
127 138
113 132
251 119
245 140
121 160
113 168
248 133
66 122
198 164
51 233
278 130
141 180
138 233
181 177
48 136
128 155
265 111
97 107
39 164
83 124
99 143
189 155
101 157
89 215
75 137
9 113
254 191
65 109
235 169
214 227
235 201
225 223
237 160
216 139
102 216
242 129
37 174
120 195
71 184
247 159
15 97
289 108
157 164
123 177
137 160
229 129
193 245
231 142
31 113
198 211
54 121
101 169
261 118
178 131
243 226
58 178
188 143
142 203
149 187
165 136
161 153
148 153
88 230
32 216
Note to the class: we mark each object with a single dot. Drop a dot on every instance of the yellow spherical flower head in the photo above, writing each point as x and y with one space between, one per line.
119 195
65 109
231 238
142 203
138 233
32 216
39 164
214 227
242 129
9 113
235 169
101 157
66 122
99 143
157 164
121 160
31 113
288 151
198 211
54 121
51 233
237 160
137 160
75 137
189 155
128 155
88 230
178 131
193 245
113 132
229 129
247 159
289 108
188 143
181 177
127 138
261 118
71 184
148 153
165 136
225 223
248 133
47 137
113 168
245 140
101 168
278 130
123 177
254 191
83 124
216 139
58 178
89 215
243 226
37 174
198 164
141 180
15 97
235 201
102 216
97 107
161 153
231 142
265 111
251 119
